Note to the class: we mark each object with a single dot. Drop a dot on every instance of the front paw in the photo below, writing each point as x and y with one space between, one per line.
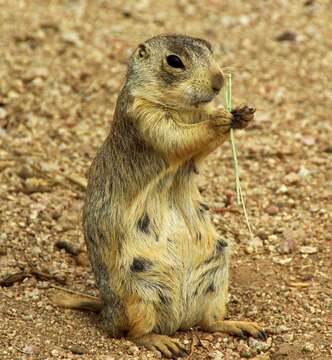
242 117
221 121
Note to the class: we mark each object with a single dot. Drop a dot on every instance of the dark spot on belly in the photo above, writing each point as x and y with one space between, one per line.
205 282
221 244
140 264
193 167
165 300
199 236
204 206
202 210
144 223
211 288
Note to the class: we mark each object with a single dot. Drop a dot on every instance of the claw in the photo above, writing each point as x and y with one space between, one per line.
241 334
262 335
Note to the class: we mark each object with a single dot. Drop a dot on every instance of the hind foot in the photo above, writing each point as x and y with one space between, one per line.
237 328
169 347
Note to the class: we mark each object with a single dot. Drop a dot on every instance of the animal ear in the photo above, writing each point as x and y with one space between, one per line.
142 51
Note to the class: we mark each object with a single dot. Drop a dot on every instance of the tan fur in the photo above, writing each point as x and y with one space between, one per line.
159 264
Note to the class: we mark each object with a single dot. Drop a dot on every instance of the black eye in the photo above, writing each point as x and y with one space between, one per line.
174 61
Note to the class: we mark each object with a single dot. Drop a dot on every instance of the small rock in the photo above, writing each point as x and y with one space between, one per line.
39 72
208 337
71 37
249 250
262 235
309 2
82 260
31 350
282 261
216 355
282 190
303 172
263 356
245 351
286 246
284 350
25 172
133 350
287 36
288 337
77 349
292 178
36 251
258 345
308 140
3 113
308 347
272 210
288 243
307 249
67 246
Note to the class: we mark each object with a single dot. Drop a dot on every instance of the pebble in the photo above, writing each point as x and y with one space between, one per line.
288 243
245 351
288 337
272 210
72 37
77 349
292 178
282 329
303 172
39 72
31 349
36 251
308 347
287 36
133 350
308 140
216 355
282 190
262 235
3 113
259 345
307 249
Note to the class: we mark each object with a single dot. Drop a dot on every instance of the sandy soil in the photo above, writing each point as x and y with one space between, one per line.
61 66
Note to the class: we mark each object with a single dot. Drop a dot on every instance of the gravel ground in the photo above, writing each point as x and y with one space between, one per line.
61 66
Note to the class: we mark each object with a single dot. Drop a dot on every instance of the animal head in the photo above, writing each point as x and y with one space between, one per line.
175 71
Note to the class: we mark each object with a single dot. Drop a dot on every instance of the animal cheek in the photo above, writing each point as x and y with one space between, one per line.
189 93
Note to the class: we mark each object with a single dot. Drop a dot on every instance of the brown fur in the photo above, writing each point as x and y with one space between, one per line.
159 264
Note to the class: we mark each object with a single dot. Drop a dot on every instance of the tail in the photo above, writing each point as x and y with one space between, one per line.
77 301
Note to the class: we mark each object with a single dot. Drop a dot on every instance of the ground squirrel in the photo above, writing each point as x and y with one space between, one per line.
159 264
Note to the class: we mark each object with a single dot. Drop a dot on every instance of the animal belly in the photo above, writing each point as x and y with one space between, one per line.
200 267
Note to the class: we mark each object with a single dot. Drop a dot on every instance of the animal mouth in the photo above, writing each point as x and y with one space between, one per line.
203 101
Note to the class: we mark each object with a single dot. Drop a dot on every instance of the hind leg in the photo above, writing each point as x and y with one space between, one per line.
142 321
213 319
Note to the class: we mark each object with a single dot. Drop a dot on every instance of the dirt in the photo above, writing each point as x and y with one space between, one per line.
61 66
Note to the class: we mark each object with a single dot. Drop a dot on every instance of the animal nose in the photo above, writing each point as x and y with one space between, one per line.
217 81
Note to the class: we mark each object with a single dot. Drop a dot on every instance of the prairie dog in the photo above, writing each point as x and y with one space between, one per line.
159 263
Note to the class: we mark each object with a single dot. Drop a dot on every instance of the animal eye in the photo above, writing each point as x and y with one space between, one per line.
174 61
